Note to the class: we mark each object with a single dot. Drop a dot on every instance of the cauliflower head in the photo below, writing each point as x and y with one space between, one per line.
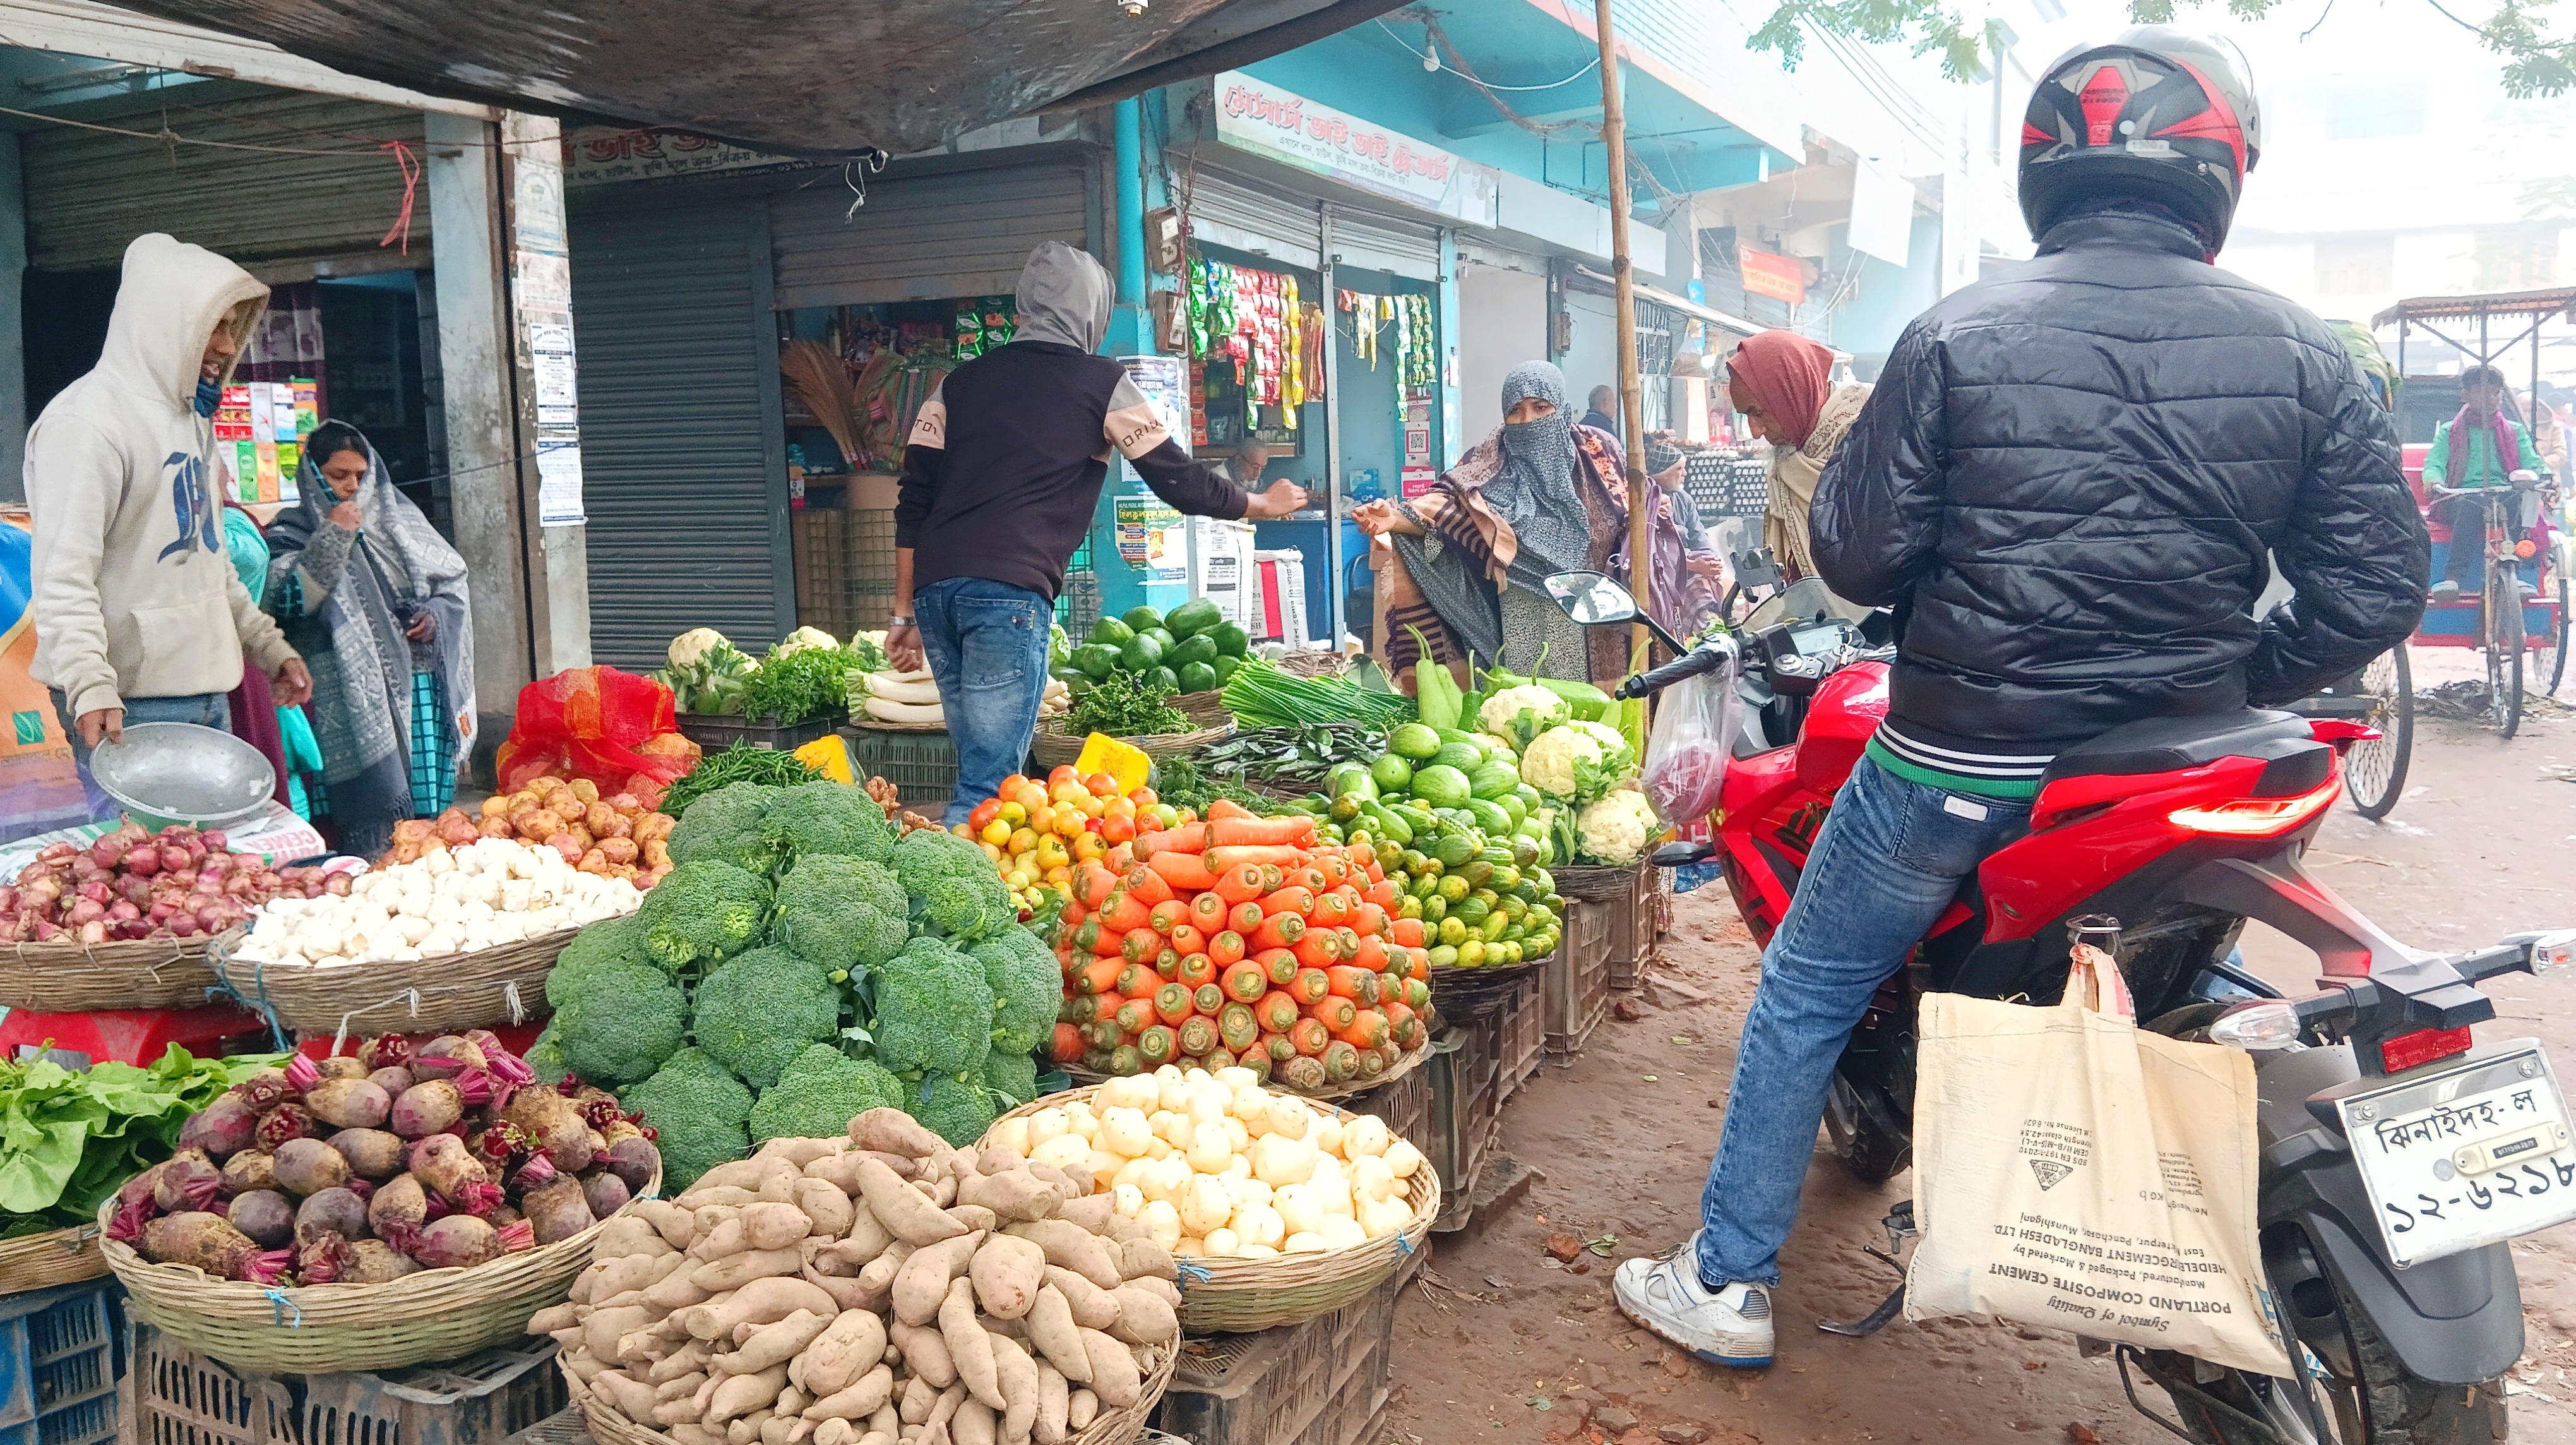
1616 829
803 638
1502 713
700 646
1557 761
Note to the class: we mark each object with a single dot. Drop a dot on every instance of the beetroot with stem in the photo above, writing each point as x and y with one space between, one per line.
462 1051
248 1170
635 1161
372 1153
307 1167
388 1051
605 1193
557 1209
504 1065
372 1261
426 1108
222 1129
210 1243
393 1079
321 1259
451 1171
458 1241
302 1073
555 1123
190 1182
348 1103
333 1211
398 1211
286 1121
137 1203
265 1215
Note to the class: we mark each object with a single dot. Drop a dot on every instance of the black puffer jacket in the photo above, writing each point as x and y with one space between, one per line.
2066 479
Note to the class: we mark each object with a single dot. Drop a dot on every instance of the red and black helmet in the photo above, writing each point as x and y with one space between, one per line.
2158 113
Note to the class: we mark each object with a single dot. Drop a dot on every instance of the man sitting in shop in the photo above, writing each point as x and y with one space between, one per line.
1001 476
2478 448
1244 464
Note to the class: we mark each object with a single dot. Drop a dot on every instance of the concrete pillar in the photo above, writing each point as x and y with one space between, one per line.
13 323
535 235
1131 324
479 408
1452 444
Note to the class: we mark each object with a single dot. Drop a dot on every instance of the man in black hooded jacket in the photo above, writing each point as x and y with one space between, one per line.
2065 483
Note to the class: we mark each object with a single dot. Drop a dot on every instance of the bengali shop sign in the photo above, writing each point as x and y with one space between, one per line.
1255 116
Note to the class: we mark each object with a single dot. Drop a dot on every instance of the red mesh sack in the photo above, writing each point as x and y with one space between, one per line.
612 727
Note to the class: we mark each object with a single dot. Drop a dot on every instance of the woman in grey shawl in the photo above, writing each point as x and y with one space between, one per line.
375 600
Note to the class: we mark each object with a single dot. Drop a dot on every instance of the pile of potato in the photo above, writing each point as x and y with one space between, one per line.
883 1289
615 836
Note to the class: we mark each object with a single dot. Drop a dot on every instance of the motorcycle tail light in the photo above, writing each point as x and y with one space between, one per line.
2271 1024
2422 1047
2258 817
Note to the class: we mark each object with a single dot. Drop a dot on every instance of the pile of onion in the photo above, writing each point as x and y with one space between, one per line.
129 884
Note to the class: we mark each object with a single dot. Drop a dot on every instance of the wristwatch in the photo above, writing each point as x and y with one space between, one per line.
899 621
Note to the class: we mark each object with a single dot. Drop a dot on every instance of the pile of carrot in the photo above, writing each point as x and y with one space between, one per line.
1240 940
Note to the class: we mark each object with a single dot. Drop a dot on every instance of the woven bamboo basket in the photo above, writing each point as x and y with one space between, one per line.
1207 709
1467 986
437 1314
1109 1427
1595 884
56 1257
1049 750
1228 1296
135 973
1313 662
505 984
1411 1061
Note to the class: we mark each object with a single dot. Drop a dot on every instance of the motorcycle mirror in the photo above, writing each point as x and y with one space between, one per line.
1592 599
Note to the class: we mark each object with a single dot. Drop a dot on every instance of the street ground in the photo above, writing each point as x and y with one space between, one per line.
1501 1342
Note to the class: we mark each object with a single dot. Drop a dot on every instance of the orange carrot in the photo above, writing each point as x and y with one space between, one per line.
1370 919
1284 831
1172 1003
1225 948
1368 952
1275 874
1291 899
1317 949
1239 884
1181 872
1331 908
1094 882
1124 911
1224 808
1163 917
1421 969
1188 939
1245 982
1197 968
1279 963
1405 931
1224 857
1335 1012
1207 910
1147 885
1353 983
1366 1030
1309 1036
1245 917
1068 1044
1191 838
1122 858
1310 986
1385 895
1279 930
1139 945
1099 975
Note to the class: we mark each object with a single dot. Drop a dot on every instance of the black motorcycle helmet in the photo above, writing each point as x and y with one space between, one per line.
2158 114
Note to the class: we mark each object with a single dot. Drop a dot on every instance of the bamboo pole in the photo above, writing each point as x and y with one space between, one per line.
1632 402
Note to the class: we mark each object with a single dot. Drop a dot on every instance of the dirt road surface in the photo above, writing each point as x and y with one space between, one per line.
1503 1343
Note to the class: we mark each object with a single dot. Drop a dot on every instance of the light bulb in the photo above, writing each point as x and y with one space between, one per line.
1431 62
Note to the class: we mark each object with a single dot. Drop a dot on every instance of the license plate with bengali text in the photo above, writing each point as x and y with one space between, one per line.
2470 1156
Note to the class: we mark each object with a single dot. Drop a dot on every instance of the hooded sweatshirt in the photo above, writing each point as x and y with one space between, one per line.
1005 461
135 592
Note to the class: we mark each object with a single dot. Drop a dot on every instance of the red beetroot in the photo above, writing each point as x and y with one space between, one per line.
518 1235
555 1123
348 1103
605 1193
248 1170
265 1215
426 1108
635 1161
451 1171
334 1212
137 1202
307 1167
393 1079
222 1129
342 1066
372 1153
302 1073
504 1065
557 1209
398 1211
458 1241
372 1261
321 1259
286 1121
264 1090
387 1051
190 1181
210 1243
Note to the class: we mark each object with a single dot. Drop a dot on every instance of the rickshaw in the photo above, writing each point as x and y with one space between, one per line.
2524 639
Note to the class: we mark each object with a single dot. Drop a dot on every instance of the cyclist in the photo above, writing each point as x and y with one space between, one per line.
2064 483
2480 448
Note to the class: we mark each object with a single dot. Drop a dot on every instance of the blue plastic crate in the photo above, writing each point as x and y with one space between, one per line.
57 1366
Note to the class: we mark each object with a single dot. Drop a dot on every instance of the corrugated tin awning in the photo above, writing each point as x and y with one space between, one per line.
794 77
2560 299
104 32
1683 304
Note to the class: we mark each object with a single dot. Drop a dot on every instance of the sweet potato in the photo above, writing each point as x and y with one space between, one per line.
1053 1394
1007 1271
800 1152
857 1401
675 1225
969 1345
552 1318
1092 1211
974 1217
934 1431
689 1359
774 1344
925 1353
1057 1337
1161 1289
615 1277
863 1239
880 1273
1081 1408
736 1270
752 1174
904 1210
844 1290
679 1387
1143 1317
720 1233
1016 1194
923 1285
761 1302
1144 1259
740 1395
1018 1376
974 1424
848 1347
601 1332
676 1290
631 1236
1092 1307
1070 1246
775 1226
830 1211
917 1397
892 1131
629 1397
1114 1376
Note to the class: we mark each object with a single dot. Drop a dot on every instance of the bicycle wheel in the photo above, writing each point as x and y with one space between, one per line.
2549 664
2504 652
2375 772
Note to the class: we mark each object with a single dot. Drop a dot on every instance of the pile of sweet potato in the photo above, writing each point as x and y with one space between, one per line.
883 1289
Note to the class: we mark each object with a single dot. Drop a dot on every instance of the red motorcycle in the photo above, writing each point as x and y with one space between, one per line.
2389 1263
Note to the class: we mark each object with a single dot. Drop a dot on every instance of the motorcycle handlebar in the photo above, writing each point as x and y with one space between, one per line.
1698 662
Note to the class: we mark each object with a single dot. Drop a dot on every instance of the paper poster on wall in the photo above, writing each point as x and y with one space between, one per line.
559 482
1165 381
1150 540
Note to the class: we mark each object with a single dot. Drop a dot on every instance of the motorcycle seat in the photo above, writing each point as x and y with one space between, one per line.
2170 744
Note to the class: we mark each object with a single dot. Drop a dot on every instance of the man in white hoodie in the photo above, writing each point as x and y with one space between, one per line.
139 615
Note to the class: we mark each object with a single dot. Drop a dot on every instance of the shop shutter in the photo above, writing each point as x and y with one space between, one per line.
966 233
1386 243
89 193
671 327
1244 216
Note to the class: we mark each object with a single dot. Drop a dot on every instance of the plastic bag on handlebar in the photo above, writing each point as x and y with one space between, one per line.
1692 740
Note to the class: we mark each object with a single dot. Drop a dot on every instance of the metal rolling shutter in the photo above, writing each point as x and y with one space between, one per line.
1262 220
1384 243
965 233
89 194
679 375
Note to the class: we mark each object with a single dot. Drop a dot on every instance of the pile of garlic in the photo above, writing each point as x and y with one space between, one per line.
1215 1166
452 900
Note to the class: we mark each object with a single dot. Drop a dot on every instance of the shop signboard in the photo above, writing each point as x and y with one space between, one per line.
1254 115
1782 278
596 157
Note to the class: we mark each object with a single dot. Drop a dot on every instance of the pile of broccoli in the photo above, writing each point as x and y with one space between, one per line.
800 965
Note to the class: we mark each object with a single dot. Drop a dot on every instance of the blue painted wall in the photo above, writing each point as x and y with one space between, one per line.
1888 296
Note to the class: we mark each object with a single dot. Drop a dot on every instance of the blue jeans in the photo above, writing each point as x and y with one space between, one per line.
986 643
1886 864
205 709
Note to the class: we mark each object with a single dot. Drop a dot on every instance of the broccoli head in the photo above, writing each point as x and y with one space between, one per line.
698 1113
1012 1075
605 944
705 910
845 913
819 1092
926 854
969 906
619 1021
760 1010
546 1057
957 1110
725 826
934 1011
1028 989
827 818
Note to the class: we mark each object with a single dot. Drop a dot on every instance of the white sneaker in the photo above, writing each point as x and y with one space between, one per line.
1731 1326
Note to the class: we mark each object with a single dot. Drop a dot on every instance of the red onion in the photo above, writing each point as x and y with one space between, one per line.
124 911
142 862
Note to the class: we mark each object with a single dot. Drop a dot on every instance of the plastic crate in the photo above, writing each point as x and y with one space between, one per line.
1634 930
844 568
1524 1032
922 766
57 1366
716 733
180 1397
1405 1106
1466 1111
1574 986
1324 1382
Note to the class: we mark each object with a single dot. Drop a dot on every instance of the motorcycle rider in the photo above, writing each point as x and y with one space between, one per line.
2064 484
